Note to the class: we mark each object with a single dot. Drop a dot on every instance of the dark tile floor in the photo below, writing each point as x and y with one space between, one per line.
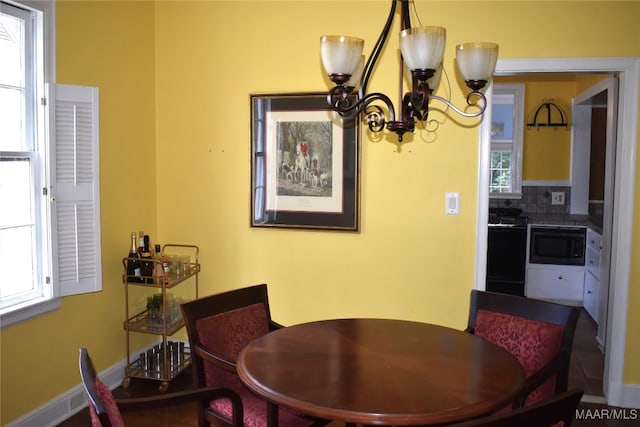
587 365
587 361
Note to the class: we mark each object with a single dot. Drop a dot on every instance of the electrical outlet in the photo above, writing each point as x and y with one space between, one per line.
557 198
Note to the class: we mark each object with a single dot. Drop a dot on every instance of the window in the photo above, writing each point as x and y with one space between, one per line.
507 129
50 235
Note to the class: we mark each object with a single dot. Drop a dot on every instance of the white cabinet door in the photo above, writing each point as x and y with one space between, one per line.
590 303
592 262
594 240
564 284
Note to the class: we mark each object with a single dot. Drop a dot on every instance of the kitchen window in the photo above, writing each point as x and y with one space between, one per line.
49 180
507 129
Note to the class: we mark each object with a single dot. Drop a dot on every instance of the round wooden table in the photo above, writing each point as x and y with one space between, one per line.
380 372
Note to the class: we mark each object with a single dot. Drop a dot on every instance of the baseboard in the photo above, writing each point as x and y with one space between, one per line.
590 398
72 401
631 396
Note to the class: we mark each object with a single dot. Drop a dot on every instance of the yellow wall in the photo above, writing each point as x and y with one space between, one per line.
175 79
109 45
546 153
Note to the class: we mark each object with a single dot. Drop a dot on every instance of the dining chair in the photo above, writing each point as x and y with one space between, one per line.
557 411
219 326
538 333
105 410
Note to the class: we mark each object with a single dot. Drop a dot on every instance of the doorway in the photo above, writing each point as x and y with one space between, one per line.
593 171
628 70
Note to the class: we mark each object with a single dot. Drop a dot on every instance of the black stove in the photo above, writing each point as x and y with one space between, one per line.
509 217
506 251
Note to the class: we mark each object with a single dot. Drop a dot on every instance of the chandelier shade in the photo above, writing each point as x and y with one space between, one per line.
477 61
423 47
356 76
340 55
434 81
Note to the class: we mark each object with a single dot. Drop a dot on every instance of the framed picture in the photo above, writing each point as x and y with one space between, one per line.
304 164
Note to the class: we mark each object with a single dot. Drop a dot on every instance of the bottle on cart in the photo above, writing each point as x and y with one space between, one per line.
158 271
134 273
147 263
166 268
140 243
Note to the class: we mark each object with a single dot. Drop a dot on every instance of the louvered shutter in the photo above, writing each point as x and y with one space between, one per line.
76 191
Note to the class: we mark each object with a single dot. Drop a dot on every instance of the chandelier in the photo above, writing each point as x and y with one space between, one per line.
422 49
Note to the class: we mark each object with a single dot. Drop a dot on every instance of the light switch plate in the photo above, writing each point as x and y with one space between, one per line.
452 203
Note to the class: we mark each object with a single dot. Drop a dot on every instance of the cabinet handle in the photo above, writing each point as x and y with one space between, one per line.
588 292
559 277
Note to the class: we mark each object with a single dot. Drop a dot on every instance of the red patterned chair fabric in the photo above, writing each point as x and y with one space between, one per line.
222 325
105 410
533 343
110 405
538 333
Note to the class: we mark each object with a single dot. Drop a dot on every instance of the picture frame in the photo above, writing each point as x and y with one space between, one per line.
304 164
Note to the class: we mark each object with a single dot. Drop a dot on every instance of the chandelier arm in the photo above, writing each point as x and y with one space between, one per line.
341 101
419 99
405 15
377 96
480 103
348 106
375 118
375 52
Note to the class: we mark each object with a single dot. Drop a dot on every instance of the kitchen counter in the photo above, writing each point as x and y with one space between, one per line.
594 223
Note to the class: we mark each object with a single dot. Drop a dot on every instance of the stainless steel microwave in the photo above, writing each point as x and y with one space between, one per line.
557 245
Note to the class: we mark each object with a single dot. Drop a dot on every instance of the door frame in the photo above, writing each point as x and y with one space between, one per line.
580 155
628 69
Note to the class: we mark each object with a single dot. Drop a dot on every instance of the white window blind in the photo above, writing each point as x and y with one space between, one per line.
75 195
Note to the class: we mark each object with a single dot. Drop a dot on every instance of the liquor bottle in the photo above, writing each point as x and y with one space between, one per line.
140 244
158 271
133 266
147 264
166 268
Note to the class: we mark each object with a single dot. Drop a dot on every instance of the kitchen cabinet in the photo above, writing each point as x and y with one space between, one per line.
558 283
555 263
592 275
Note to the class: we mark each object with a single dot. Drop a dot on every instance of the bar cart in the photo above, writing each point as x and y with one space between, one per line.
162 315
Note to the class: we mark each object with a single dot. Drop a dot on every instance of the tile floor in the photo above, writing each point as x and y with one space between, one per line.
587 360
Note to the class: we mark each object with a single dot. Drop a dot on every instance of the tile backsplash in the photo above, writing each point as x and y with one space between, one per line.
536 200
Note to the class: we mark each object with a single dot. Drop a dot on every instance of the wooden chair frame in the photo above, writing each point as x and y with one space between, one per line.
539 310
201 395
215 304
546 413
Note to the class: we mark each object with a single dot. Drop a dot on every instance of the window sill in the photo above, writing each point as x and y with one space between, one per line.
27 310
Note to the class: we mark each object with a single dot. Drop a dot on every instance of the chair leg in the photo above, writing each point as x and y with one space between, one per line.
272 415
